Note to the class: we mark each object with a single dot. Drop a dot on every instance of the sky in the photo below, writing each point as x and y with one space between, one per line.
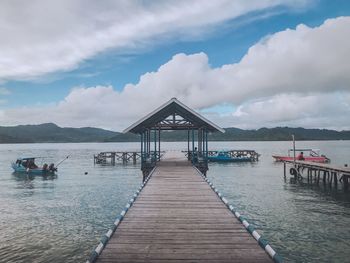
245 64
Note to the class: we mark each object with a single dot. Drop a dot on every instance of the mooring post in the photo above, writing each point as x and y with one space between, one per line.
113 158
345 181
134 157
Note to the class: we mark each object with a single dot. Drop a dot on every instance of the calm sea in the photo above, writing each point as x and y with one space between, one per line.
61 219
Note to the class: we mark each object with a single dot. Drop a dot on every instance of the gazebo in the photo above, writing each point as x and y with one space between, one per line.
173 115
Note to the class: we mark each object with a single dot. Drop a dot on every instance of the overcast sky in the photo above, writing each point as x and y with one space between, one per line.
245 64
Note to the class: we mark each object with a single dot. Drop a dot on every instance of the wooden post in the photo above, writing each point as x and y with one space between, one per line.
345 181
134 157
284 169
113 158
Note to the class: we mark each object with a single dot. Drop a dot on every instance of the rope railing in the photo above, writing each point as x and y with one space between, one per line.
263 243
106 237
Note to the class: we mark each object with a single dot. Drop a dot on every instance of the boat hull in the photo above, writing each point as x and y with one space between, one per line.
318 159
37 171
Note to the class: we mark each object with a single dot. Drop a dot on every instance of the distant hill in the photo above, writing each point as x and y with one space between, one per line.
50 132
263 134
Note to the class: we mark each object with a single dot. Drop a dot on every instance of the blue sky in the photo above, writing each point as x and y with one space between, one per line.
99 70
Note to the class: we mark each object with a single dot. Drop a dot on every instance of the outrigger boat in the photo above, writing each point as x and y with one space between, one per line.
27 165
309 155
223 156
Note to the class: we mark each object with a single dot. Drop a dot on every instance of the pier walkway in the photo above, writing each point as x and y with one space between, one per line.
330 173
178 217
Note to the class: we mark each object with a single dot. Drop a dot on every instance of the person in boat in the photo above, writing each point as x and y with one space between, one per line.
301 157
31 164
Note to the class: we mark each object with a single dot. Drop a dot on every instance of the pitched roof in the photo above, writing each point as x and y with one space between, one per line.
173 106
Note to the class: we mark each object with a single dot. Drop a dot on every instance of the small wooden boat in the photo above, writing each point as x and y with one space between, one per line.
27 165
309 155
223 156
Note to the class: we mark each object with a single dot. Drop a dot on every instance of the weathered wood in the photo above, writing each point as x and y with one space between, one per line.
177 217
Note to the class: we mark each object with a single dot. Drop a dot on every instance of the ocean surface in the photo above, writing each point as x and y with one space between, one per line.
61 218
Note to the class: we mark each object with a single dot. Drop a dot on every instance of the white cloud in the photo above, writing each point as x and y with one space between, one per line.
39 37
294 77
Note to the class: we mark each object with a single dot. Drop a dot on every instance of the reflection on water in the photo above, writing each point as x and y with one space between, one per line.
61 218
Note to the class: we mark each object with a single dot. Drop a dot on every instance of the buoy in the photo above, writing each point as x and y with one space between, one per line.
86 173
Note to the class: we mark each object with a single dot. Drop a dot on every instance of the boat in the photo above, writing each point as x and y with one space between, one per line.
223 156
27 165
309 155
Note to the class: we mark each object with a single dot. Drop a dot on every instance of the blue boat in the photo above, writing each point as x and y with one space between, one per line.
27 165
223 156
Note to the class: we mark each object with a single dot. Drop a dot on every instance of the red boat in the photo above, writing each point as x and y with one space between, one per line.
309 155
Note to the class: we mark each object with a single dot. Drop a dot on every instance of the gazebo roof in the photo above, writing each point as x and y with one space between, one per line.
173 115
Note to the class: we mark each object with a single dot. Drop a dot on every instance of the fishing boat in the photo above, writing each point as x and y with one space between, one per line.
223 156
309 155
27 165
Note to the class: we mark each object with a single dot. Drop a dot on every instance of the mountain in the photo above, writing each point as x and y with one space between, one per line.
263 134
50 132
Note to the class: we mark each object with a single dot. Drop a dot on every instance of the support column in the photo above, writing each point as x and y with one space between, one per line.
155 146
159 144
193 151
188 144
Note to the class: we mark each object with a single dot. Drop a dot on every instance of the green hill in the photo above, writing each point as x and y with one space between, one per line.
50 132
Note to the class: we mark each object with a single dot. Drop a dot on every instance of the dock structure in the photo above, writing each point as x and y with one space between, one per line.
173 115
319 172
178 218
253 155
114 157
124 157
177 215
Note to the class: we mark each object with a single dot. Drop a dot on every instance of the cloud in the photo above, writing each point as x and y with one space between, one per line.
44 36
296 77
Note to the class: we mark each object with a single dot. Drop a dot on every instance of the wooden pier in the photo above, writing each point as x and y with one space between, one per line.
253 155
319 172
122 157
178 218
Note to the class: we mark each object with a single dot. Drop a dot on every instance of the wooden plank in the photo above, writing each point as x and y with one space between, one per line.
177 217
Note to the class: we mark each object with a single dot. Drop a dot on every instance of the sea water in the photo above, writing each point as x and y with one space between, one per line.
61 218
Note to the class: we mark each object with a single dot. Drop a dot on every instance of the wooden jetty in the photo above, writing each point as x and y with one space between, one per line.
253 155
122 157
319 172
178 218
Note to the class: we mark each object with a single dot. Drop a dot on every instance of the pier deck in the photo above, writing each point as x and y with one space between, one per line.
330 173
177 217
